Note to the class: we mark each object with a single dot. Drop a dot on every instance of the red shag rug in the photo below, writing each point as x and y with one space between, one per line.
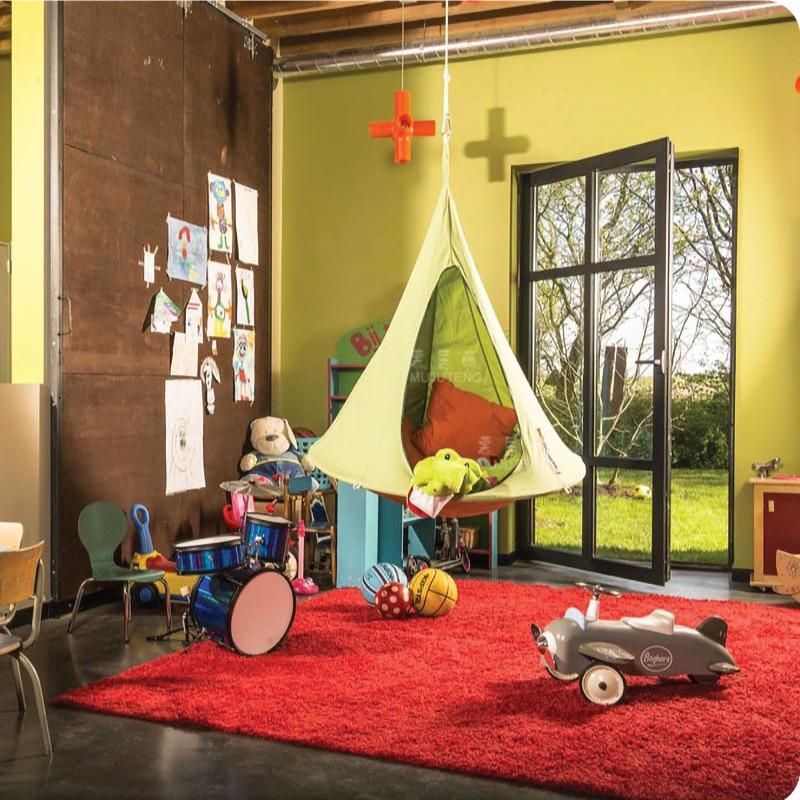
465 692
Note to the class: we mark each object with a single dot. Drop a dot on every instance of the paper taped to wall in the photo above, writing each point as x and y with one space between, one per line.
188 251
219 301
183 406
194 319
220 213
245 297
244 365
247 223
184 356
165 312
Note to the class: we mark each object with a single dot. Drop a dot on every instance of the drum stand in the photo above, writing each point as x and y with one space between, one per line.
190 635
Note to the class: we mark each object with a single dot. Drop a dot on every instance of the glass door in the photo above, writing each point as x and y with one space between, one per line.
594 337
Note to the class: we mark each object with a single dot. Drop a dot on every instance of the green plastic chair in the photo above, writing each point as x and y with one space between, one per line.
101 527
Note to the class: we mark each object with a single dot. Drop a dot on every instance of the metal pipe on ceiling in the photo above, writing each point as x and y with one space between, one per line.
642 24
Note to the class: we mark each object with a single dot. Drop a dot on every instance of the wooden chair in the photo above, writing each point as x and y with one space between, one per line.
10 535
22 579
297 496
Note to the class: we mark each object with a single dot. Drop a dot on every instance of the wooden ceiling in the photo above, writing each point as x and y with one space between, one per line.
5 28
299 28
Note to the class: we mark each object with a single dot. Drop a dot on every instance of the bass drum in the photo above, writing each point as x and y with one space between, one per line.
247 609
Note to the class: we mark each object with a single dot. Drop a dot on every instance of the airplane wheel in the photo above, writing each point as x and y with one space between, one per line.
565 677
602 684
704 680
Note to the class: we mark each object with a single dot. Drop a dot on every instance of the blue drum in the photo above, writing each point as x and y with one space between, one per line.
199 556
248 610
267 538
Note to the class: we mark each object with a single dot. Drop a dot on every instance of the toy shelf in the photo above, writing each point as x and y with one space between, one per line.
342 377
371 529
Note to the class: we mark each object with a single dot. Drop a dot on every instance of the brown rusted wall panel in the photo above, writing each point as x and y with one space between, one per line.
153 100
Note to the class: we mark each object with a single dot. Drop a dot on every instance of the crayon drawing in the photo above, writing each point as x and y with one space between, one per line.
245 297
244 365
219 301
183 405
188 251
220 213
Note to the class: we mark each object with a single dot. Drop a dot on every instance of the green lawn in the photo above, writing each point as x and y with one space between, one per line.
699 518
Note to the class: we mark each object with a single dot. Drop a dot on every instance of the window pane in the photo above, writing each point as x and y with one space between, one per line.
625 386
558 383
558 355
624 515
627 205
701 321
558 521
561 224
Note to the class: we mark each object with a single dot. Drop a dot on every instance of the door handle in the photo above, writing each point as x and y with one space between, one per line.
659 362
67 332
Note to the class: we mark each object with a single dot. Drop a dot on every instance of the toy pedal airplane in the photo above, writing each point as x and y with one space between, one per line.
599 653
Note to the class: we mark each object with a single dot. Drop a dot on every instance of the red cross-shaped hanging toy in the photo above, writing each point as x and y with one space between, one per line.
402 128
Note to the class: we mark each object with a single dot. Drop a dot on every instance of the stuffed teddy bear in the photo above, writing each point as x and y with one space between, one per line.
274 451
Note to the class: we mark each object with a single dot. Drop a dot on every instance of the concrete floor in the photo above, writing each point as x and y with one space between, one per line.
111 757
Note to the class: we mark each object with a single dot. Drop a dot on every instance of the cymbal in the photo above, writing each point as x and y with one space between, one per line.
260 491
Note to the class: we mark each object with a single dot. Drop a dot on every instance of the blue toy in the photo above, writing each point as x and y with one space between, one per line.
147 557
378 575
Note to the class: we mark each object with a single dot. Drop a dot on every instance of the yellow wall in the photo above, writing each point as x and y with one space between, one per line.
28 125
5 148
353 221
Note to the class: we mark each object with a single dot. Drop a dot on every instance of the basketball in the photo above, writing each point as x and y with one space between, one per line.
433 592
393 601
378 575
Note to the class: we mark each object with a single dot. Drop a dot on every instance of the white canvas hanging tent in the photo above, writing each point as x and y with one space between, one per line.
364 445
444 313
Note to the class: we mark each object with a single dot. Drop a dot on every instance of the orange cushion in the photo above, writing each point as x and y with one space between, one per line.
408 429
472 426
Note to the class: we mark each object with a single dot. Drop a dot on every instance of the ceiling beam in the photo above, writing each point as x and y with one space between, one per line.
258 9
381 14
419 33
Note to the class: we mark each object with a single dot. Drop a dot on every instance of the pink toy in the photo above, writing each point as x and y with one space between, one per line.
241 503
300 584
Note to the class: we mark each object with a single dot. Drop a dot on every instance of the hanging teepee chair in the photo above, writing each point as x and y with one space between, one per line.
445 376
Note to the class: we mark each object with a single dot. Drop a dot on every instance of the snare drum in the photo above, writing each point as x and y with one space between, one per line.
199 556
249 610
267 538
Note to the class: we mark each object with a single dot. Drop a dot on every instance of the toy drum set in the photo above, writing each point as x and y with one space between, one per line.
242 600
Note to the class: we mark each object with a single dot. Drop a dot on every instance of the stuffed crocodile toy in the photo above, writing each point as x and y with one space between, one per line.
439 478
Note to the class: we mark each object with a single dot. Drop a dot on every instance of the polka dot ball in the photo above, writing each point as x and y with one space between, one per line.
393 601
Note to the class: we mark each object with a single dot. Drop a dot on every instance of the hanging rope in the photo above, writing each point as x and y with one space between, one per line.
446 97
402 44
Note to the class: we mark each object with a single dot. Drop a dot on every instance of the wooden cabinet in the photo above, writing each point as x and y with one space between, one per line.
776 525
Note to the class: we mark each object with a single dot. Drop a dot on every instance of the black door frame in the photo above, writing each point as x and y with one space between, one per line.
661 153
